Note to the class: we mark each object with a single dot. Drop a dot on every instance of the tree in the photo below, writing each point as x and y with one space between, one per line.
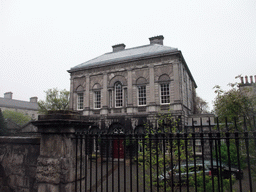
236 108
201 106
16 117
3 128
55 101
234 103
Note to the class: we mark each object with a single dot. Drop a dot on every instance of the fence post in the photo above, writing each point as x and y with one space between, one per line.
56 162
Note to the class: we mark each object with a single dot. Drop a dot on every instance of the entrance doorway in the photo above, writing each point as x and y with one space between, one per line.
118 148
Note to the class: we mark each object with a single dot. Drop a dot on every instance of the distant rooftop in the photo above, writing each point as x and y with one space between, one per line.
8 102
120 54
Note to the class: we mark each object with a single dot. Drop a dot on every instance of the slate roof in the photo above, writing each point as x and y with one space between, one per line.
18 104
126 55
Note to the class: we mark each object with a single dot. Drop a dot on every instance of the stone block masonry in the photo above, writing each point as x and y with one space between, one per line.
18 162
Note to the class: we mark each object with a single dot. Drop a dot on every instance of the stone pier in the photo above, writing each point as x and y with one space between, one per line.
56 162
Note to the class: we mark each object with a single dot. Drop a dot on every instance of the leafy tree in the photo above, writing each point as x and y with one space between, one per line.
201 106
238 104
234 103
55 101
17 117
3 128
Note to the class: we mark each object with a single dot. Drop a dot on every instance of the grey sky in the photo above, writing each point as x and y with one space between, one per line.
41 40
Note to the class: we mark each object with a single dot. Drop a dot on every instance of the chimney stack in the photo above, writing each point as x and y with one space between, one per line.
246 79
242 80
8 95
156 40
33 99
118 47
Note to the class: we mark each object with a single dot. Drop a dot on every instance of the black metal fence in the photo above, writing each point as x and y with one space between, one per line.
204 157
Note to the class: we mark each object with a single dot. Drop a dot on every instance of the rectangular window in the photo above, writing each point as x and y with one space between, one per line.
165 93
97 99
142 95
80 101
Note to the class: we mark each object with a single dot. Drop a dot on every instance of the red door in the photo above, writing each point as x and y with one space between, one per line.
118 148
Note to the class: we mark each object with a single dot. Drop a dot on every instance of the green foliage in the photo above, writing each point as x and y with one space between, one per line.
233 154
163 153
208 183
3 128
234 103
17 117
55 101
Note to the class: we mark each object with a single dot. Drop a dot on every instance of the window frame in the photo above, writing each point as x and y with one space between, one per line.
142 95
167 84
119 99
80 101
97 99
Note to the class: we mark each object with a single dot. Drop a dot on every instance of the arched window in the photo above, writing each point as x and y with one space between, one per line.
118 94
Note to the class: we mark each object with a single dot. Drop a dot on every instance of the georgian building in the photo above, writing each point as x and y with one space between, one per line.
135 83
29 108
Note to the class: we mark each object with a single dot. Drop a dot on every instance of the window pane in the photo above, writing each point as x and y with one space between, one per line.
97 99
119 95
80 101
165 93
142 95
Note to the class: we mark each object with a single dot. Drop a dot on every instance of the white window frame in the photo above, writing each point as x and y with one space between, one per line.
80 101
142 95
167 84
119 98
97 99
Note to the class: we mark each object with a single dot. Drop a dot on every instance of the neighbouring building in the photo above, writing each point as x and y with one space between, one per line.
248 84
134 84
29 108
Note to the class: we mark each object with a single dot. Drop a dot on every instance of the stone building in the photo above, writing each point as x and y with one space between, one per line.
249 85
135 83
29 108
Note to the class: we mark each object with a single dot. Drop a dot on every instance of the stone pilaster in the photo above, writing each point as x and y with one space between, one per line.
129 92
105 94
87 92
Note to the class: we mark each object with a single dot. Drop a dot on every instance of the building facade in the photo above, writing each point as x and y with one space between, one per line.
136 83
29 108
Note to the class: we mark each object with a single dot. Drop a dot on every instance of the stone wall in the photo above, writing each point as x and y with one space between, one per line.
18 163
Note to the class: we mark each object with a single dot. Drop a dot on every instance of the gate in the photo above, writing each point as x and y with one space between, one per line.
214 157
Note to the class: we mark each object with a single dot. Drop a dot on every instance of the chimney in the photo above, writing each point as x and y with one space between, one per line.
246 79
251 79
8 95
33 99
156 40
242 80
118 47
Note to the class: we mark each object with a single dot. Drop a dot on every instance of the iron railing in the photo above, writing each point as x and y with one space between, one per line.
212 157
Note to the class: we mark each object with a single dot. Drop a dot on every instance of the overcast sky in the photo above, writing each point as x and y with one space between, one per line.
41 40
